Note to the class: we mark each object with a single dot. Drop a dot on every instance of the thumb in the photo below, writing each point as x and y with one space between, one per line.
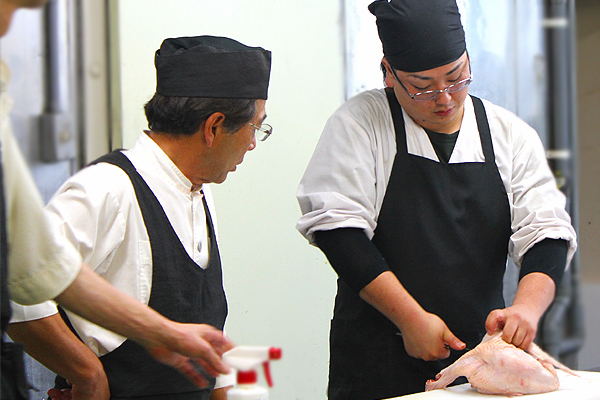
452 341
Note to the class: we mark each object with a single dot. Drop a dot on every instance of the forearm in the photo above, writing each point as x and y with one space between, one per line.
536 292
52 343
390 298
172 343
94 299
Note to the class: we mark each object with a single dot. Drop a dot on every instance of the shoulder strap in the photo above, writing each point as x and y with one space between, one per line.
484 130
398 119
115 157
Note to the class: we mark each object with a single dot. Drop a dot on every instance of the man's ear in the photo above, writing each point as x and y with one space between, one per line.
389 78
213 128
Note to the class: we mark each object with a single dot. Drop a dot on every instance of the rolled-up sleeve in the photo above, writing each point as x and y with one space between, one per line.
345 181
42 264
21 313
537 205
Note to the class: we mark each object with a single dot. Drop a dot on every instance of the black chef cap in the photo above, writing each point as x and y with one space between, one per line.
210 66
418 35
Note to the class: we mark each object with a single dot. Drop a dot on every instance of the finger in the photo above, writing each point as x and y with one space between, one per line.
213 361
190 372
495 321
519 337
56 394
224 345
200 363
434 353
219 342
442 354
509 331
205 338
202 350
527 341
453 342
180 362
524 338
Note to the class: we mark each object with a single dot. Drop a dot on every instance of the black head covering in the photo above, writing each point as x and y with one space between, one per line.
210 66
418 35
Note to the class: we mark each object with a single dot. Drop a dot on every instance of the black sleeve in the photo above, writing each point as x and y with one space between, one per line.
352 255
549 257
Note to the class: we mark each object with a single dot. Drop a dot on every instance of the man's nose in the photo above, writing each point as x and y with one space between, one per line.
443 97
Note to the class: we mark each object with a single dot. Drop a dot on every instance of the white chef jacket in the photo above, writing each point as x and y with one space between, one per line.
41 264
345 182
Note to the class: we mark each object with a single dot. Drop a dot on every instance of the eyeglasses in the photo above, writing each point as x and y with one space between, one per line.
262 132
432 94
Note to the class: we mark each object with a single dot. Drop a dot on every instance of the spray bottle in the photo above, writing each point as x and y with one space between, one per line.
246 359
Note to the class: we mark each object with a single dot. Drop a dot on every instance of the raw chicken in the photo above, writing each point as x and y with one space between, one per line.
497 367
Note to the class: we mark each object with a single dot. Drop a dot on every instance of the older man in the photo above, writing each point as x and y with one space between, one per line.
142 217
37 264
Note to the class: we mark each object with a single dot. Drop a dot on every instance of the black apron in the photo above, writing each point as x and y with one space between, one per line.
181 291
443 230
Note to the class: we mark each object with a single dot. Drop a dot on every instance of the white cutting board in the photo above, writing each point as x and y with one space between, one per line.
571 388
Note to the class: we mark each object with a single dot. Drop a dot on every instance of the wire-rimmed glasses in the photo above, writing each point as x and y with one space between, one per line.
262 132
432 94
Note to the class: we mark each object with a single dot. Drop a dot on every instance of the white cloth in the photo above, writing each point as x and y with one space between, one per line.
346 179
97 210
41 264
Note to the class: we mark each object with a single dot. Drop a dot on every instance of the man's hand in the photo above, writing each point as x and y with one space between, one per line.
220 394
183 346
192 349
89 390
428 338
519 322
425 335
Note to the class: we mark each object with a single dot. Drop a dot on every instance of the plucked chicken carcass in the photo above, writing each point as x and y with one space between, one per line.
497 367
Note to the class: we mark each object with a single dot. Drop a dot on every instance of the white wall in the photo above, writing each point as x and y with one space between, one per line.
280 289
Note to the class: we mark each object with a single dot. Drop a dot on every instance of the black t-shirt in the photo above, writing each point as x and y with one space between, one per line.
443 144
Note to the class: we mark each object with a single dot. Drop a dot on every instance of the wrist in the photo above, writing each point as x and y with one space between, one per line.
157 332
411 316
90 373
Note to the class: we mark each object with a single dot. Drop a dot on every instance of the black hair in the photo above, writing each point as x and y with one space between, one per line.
184 115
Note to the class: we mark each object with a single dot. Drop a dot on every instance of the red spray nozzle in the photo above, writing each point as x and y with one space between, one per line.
246 358
274 354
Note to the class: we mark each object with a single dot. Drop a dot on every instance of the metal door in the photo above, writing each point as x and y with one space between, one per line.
58 63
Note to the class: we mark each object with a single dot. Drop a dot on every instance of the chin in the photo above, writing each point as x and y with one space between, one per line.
220 179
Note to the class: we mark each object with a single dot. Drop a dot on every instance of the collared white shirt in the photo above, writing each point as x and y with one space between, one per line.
97 211
345 182
41 264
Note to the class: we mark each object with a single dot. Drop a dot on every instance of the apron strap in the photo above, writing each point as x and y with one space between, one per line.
484 129
398 119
